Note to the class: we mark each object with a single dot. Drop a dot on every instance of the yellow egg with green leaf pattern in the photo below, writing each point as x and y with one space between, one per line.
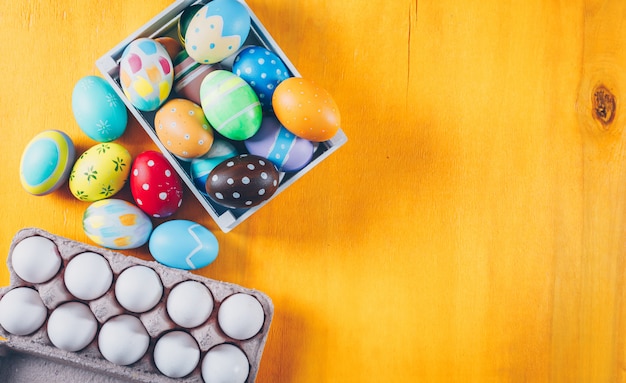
100 172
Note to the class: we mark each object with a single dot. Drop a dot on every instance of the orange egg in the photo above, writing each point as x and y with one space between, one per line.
306 110
184 130
171 45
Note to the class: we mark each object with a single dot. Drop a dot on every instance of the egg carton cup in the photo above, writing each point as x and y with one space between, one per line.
166 24
35 356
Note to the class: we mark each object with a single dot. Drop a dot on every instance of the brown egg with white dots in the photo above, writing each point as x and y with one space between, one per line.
306 110
183 129
242 181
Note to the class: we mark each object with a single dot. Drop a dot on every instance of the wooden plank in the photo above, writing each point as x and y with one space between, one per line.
471 230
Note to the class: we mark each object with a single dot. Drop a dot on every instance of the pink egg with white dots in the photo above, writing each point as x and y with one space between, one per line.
155 186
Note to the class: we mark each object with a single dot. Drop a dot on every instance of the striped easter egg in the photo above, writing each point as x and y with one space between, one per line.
46 162
230 105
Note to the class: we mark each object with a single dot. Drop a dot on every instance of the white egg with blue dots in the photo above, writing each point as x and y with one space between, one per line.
263 70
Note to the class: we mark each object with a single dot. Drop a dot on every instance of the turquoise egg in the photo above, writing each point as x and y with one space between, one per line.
46 162
230 105
98 110
116 224
201 167
183 244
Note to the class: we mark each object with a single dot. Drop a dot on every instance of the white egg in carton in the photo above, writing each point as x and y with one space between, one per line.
89 310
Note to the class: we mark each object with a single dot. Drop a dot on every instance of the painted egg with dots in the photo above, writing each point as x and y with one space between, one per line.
263 70
230 105
100 172
243 181
146 74
217 31
284 149
306 110
116 224
200 168
183 129
154 184
46 162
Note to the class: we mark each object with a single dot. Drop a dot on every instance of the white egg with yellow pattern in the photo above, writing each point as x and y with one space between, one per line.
116 224
100 172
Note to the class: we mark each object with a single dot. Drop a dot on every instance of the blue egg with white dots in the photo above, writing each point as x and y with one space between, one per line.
263 70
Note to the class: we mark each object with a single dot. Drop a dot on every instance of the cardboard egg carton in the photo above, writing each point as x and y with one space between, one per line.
166 24
33 358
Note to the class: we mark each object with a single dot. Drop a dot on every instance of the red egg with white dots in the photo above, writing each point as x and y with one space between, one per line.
154 184
306 110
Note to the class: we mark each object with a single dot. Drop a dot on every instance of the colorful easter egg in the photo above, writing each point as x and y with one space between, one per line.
181 126
154 184
183 244
116 224
171 45
98 110
286 150
306 110
185 19
188 76
100 172
46 162
200 168
217 31
230 105
263 70
242 181
146 74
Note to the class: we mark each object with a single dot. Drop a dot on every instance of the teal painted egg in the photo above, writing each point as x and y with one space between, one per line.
201 167
100 172
46 162
98 110
217 31
146 74
230 105
183 244
116 224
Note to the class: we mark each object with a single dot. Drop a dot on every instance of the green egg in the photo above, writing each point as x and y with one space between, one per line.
230 105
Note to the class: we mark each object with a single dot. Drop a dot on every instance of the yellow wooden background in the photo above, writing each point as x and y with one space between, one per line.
473 229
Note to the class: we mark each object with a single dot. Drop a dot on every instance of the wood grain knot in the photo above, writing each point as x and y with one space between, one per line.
604 105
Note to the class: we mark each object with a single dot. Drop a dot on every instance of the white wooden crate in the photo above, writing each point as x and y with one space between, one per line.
166 24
